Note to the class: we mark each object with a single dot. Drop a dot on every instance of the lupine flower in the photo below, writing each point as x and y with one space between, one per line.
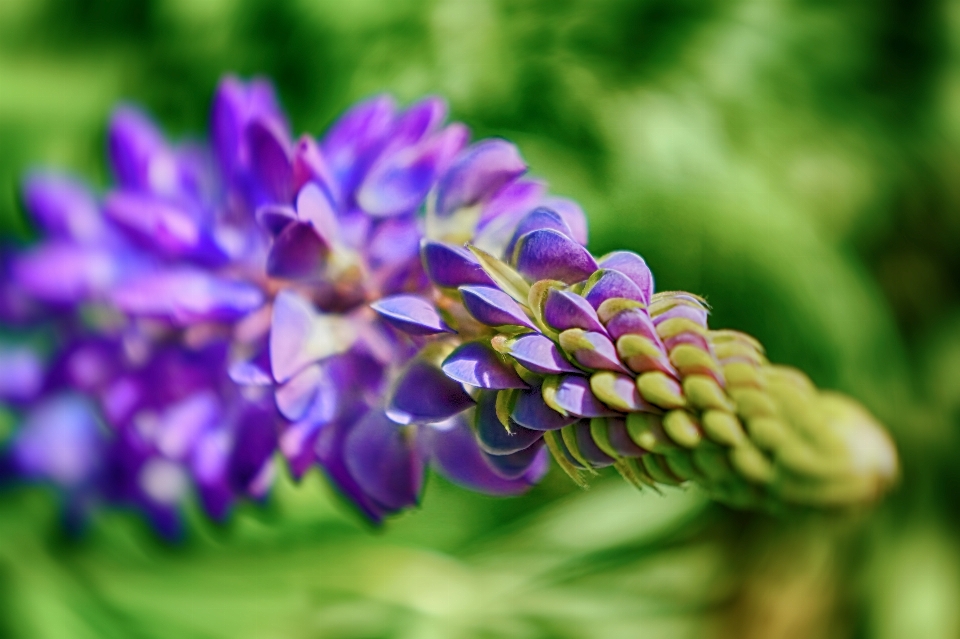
215 306
577 355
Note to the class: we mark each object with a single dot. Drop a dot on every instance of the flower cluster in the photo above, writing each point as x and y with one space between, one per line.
213 308
373 302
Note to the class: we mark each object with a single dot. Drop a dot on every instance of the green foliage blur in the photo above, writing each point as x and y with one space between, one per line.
795 161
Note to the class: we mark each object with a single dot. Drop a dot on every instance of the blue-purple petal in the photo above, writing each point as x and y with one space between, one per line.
411 314
547 254
477 364
425 395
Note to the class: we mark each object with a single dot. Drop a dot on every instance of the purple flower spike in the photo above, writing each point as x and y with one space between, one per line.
384 462
479 172
573 395
451 266
477 364
539 354
612 284
493 307
454 449
633 266
550 255
564 310
494 438
523 463
425 395
532 412
411 314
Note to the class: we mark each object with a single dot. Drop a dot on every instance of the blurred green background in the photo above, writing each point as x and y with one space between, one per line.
796 162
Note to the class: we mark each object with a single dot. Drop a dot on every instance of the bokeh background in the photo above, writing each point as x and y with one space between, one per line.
795 161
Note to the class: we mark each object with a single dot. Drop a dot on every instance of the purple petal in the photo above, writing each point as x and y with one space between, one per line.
452 266
478 174
61 271
530 411
235 104
477 364
329 449
248 468
573 395
159 224
411 314
209 467
314 207
538 218
61 441
384 462
572 214
298 253
186 296
491 433
182 423
297 443
550 255
493 307
297 395
612 284
457 457
564 310
633 266
21 372
356 136
63 207
270 157
275 217
134 144
249 374
588 448
530 462
399 181
299 335
503 212
539 354
419 121
424 394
